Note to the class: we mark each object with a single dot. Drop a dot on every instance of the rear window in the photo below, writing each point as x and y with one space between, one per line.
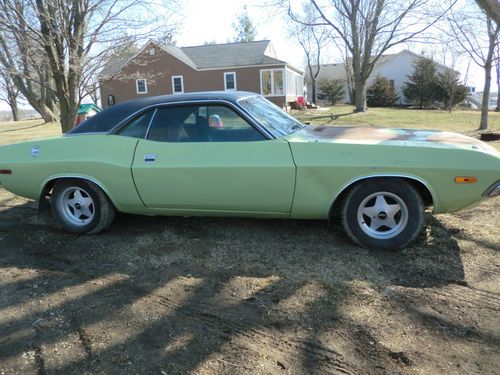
106 120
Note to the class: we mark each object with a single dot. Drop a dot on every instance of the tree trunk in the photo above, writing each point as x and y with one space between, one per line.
313 91
485 103
497 109
14 109
360 96
483 125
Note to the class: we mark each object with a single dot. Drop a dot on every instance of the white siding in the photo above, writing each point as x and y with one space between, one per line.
395 67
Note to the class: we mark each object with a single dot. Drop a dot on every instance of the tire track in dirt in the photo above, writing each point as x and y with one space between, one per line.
481 299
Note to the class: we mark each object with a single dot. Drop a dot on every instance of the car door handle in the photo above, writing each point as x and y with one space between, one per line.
149 158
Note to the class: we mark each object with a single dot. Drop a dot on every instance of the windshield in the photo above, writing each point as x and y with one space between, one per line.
271 116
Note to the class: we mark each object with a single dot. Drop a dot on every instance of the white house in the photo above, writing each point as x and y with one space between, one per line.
395 67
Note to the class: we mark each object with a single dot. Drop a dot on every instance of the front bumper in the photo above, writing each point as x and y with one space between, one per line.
493 190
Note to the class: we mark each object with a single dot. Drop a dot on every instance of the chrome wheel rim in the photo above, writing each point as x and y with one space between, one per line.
77 206
382 215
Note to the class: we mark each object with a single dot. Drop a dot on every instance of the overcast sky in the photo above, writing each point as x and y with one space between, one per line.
213 20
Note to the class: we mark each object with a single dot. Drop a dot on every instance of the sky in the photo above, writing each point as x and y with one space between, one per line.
212 20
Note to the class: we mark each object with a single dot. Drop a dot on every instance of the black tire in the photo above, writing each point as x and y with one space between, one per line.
383 213
81 207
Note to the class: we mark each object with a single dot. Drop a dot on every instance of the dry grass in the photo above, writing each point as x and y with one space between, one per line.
13 132
458 121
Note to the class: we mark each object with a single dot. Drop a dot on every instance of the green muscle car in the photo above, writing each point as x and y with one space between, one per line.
236 154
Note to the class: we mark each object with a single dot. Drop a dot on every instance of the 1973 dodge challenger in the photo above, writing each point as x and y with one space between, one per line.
236 154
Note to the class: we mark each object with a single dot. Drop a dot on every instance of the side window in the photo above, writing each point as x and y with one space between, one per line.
225 125
137 127
168 124
203 123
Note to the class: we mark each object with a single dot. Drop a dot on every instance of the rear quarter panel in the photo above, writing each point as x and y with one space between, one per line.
325 169
104 159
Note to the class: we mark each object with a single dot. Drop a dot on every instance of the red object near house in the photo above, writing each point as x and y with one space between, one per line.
299 103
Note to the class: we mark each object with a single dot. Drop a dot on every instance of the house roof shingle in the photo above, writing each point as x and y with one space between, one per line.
232 54
210 56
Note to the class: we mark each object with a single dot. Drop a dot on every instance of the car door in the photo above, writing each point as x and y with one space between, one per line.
208 158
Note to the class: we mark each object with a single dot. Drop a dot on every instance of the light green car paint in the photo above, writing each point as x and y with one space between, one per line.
298 176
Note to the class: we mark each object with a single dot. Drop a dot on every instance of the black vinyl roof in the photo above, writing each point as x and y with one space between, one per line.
106 120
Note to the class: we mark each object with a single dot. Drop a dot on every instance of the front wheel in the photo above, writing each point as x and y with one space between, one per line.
81 207
383 214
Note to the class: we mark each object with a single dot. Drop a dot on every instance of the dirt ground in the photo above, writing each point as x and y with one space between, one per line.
237 296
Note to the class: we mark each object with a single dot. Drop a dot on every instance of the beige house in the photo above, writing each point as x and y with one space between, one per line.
165 69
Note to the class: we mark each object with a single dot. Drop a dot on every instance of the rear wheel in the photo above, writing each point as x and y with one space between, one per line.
383 214
81 207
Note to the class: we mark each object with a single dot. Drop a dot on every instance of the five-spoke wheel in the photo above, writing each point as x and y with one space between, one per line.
384 214
81 206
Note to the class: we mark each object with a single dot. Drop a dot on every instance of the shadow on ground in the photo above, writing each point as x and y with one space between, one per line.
196 295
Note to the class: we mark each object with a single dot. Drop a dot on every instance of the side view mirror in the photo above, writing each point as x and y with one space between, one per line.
214 121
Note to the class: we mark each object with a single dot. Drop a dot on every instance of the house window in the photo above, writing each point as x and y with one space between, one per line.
177 84
141 86
272 82
111 100
230 81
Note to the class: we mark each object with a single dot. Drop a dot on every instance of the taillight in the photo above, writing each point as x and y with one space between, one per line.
5 171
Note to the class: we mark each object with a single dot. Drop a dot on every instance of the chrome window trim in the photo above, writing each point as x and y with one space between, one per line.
493 190
240 111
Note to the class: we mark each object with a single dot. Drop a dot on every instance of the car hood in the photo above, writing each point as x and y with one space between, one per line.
401 137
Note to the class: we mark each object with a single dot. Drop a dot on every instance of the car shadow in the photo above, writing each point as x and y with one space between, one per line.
181 295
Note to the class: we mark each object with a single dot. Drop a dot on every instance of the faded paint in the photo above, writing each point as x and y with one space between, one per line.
403 137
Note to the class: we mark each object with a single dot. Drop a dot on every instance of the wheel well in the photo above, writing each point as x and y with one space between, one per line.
43 201
424 192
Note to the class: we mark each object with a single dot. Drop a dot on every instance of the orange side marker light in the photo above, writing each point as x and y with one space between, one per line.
466 179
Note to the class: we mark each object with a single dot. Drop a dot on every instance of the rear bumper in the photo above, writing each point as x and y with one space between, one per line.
493 190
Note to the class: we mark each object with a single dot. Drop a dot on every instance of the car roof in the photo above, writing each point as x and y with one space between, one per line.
106 120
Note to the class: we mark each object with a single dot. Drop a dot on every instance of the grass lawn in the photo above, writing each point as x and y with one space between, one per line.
12 132
457 121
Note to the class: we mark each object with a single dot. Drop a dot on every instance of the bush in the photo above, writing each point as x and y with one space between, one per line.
421 87
381 93
449 90
332 90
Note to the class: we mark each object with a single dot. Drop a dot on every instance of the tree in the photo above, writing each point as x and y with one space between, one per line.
73 40
497 109
332 90
477 35
368 29
422 83
9 93
491 8
381 93
312 40
244 28
449 90
22 57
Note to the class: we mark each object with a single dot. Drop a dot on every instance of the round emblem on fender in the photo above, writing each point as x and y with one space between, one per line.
35 151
